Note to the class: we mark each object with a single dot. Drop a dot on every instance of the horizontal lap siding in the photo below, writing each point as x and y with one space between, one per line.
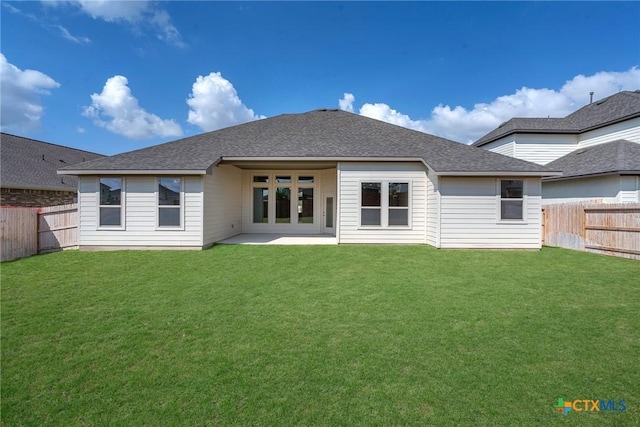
351 174
505 146
469 216
629 130
605 188
222 203
629 189
543 149
140 215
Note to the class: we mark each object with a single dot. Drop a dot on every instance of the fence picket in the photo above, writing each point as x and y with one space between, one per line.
27 231
610 229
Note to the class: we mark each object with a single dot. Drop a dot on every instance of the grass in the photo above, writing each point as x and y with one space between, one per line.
346 335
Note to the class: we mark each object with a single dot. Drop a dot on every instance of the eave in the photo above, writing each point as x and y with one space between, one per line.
498 173
591 175
132 172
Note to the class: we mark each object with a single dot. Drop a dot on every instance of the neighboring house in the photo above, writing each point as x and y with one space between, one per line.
321 172
29 172
595 147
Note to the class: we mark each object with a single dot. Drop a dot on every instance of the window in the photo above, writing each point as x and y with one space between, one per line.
283 205
329 215
511 199
283 199
370 213
384 204
111 202
169 202
260 205
398 203
305 206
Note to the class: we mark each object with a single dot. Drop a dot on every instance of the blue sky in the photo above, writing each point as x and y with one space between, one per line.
117 76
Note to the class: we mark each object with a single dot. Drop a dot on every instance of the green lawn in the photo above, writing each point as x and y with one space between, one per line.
325 335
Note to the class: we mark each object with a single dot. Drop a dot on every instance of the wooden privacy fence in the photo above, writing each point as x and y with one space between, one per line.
611 229
27 231
57 227
17 235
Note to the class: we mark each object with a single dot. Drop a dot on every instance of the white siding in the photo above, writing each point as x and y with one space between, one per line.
629 189
222 203
576 190
542 149
140 215
469 215
350 177
433 210
545 148
506 146
629 130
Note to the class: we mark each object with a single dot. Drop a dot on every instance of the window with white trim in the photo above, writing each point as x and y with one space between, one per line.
170 202
305 199
511 199
260 193
371 203
283 198
110 202
384 204
399 203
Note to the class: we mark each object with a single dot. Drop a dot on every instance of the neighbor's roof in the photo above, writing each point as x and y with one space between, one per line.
30 164
619 157
615 108
316 135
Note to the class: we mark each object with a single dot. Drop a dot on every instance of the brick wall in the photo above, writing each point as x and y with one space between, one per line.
35 198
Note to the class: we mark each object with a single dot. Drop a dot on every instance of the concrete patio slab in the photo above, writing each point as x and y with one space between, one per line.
280 239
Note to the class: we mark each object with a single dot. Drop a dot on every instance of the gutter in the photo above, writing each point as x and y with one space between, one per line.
591 175
499 173
132 172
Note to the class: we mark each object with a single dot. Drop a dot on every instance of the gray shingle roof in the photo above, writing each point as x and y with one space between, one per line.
619 156
326 134
615 108
30 164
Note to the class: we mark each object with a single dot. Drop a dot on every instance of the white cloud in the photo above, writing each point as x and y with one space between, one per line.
346 103
214 104
118 111
138 13
113 11
21 107
166 31
80 129
385 113
76 39
461 124
11 9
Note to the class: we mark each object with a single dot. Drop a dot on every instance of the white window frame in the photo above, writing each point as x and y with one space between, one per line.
123 198
384 204
380 207
298 187
159 206
499 200
266 185
294 186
